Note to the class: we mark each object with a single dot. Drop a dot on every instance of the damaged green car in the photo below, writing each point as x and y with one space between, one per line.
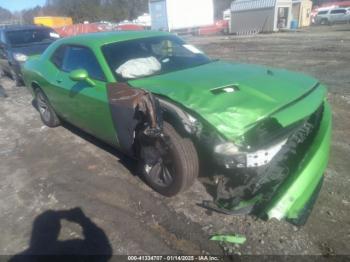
264 132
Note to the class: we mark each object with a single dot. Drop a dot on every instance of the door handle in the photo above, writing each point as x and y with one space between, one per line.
59 81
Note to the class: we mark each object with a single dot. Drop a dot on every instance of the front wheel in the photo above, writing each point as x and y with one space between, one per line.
324 22
15 77
47 114
177 166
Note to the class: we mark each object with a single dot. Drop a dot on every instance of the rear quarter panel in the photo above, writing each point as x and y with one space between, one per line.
37 71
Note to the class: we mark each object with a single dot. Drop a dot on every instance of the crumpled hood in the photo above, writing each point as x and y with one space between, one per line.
261 92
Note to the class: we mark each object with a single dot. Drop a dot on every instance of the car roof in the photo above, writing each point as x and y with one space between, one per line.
338 8
21 27
102 38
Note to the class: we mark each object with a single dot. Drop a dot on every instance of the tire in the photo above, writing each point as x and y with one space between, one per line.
47 114
184 166
14 76
324 22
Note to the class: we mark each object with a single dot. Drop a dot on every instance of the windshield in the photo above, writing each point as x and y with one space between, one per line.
25 37
150 56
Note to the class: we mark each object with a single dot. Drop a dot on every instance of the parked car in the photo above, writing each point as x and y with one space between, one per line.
17 42
165 103
333 16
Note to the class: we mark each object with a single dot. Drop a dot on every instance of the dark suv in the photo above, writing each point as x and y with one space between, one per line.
17 42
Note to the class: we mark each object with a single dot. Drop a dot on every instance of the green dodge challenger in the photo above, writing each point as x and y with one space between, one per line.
263 133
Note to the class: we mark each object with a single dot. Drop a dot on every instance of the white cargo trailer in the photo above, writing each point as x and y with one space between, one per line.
174 15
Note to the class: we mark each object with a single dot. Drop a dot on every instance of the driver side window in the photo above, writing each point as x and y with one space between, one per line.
57 57
78 57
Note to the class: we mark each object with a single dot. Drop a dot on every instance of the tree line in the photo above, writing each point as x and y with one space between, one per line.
81 10
93 10
98 10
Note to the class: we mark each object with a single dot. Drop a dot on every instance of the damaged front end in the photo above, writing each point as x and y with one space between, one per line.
136 116
278 172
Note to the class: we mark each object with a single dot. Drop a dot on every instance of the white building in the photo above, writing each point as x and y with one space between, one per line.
144 20
255 16
172 15
302 12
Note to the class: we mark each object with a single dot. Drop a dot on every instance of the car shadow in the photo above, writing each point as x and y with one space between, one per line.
207 171
45 246
129 163
206 174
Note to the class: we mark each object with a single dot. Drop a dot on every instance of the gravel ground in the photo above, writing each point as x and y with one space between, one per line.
59 169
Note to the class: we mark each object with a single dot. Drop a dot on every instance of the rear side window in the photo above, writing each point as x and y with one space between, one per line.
57 57
338 11
78 57
322 12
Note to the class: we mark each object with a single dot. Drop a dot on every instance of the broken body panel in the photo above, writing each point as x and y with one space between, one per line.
268 128
258 94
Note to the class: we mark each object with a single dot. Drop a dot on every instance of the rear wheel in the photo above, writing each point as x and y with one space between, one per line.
47 114
177 166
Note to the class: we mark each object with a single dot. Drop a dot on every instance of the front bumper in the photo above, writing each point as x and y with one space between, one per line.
287 187
296 191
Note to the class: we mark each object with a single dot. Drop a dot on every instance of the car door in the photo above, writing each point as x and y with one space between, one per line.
342 15
336 15
79 102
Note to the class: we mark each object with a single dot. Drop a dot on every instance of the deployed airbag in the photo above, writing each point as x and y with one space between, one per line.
139 67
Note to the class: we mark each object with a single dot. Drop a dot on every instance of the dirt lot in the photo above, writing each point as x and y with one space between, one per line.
59 169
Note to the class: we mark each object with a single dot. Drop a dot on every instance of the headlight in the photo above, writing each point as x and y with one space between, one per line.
229 156
54 35
226 149
192 126
20 57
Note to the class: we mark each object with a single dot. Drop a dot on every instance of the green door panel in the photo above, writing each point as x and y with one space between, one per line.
85 106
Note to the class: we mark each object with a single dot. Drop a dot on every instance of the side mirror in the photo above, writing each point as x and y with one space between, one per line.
80 75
